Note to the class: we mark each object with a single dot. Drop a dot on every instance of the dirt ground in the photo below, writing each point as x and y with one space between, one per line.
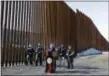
87 65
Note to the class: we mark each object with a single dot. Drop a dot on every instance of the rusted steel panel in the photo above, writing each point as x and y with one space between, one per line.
62 34
87 34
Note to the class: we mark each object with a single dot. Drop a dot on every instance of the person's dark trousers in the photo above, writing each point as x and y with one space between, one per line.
54 64
26 60
36 62
72 66
40 59
70 63
31 59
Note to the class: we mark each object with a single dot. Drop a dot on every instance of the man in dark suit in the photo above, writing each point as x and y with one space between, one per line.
29 54
39 53
70 57
62 54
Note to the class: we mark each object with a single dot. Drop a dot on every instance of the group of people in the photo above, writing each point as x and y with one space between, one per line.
34 55
66 53
62 53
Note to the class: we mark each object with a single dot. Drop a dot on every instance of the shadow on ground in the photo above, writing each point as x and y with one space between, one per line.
86 67
77 69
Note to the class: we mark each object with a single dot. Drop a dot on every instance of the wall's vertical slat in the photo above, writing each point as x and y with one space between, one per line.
8 33
55 10
45 27
68 41
20 32
2 32
77 21
30 18
5 32
60 23
48 23
12 32
42 16
58 27
51 19
66 26
24 30
40 23
78 30
42 26
29 12
33 25
26 26
37 21
15 32
75 34
55 23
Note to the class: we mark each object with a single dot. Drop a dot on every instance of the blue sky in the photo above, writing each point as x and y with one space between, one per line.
97 11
